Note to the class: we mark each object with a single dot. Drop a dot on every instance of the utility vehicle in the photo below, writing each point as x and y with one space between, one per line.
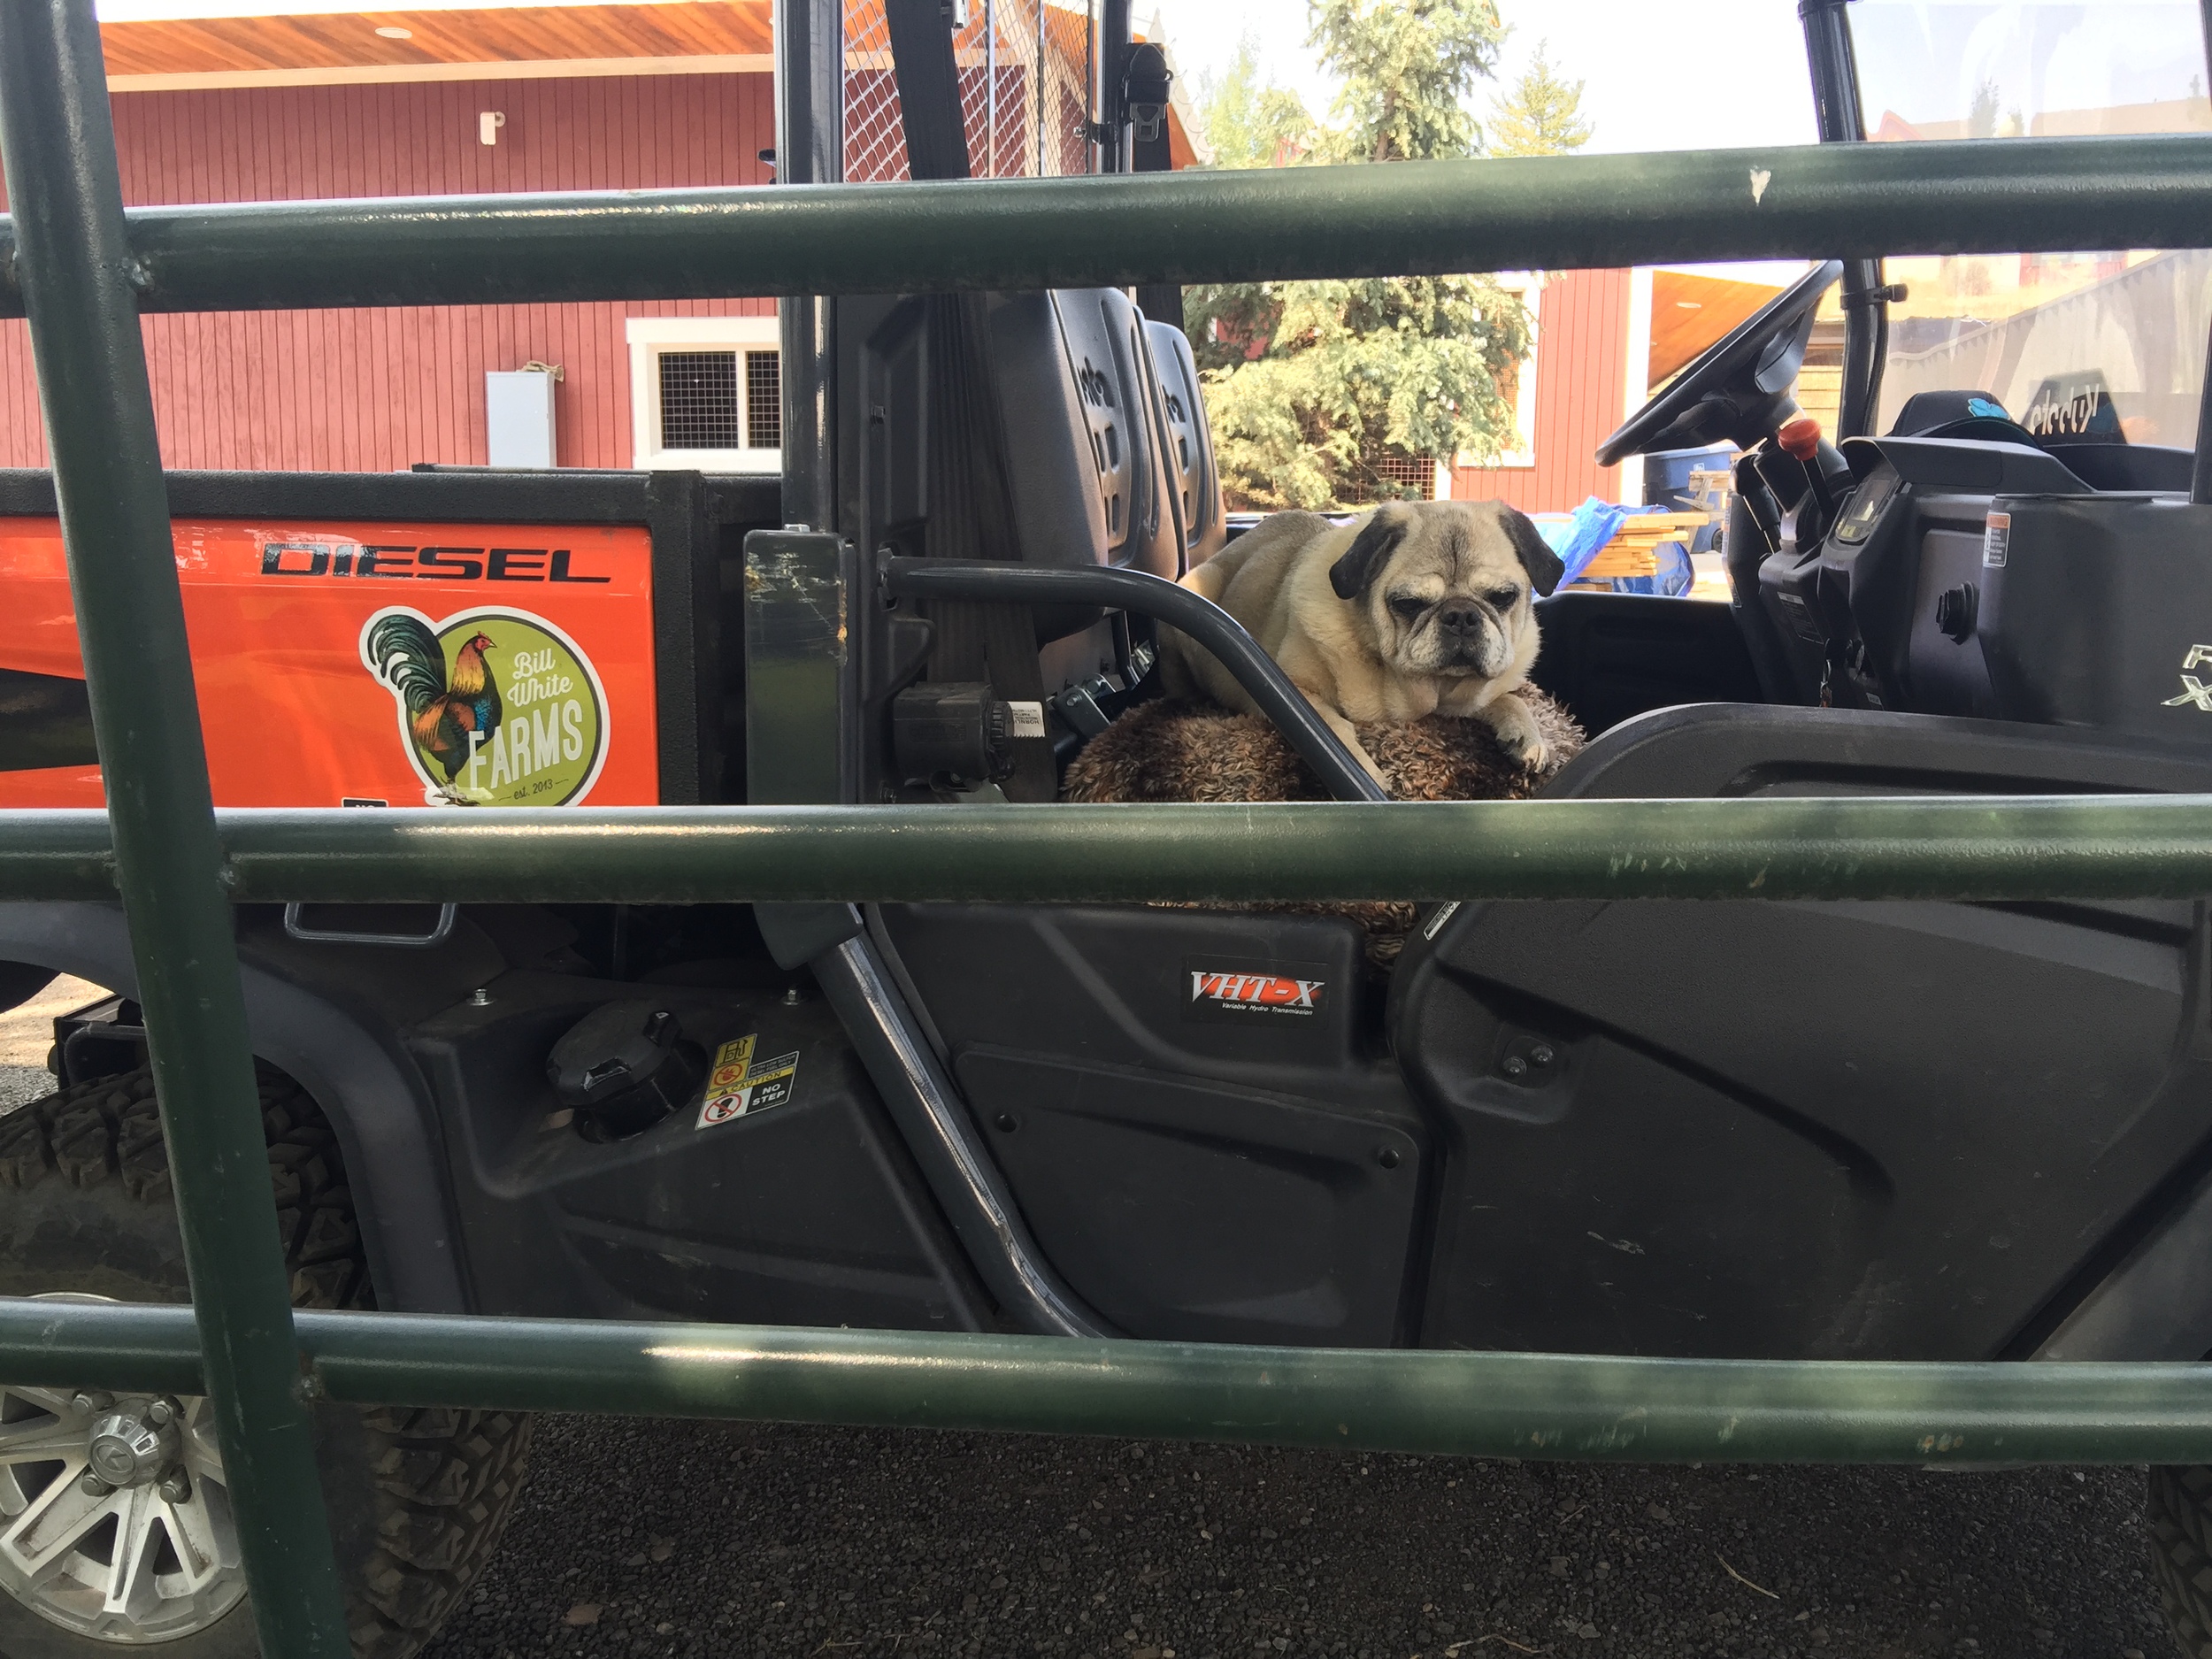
1876 1130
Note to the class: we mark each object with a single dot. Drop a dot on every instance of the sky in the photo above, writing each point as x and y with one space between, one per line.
1652 71
1649 70
1927 62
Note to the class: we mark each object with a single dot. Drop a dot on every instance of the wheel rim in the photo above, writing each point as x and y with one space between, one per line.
144 1551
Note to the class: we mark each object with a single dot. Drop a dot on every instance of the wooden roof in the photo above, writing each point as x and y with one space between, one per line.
1690 312
346 46
631 37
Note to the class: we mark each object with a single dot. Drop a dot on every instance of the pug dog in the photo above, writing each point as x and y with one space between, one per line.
1420 608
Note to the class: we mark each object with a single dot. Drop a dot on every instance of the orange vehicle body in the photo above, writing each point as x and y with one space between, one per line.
309 639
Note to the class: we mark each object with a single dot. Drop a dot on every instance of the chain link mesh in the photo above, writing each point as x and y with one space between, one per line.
1017 59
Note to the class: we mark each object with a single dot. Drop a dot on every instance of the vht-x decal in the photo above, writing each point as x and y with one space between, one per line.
2194 692
1214 989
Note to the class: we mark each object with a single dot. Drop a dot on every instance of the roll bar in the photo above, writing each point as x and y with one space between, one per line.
1193 614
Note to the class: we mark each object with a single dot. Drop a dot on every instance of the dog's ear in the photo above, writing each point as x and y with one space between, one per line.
1542 565
1355 573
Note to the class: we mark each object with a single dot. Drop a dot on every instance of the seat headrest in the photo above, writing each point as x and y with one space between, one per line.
1925 411
1959 415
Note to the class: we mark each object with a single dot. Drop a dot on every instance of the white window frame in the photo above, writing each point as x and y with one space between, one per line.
1529 287
649 337
1636 382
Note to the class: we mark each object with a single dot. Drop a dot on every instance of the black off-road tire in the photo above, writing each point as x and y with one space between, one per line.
2179 1517
416 1498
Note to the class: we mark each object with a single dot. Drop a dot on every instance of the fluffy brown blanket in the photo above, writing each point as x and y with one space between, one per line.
1185 751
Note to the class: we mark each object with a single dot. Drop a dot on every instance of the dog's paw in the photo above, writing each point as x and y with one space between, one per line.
1533 755
1517 734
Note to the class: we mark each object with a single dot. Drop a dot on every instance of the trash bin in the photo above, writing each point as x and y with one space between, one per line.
1669 483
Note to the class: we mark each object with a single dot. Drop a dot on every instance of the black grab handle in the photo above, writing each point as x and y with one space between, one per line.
988 582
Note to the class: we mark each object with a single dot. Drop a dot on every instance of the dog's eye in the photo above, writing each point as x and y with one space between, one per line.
1409 608
1503 598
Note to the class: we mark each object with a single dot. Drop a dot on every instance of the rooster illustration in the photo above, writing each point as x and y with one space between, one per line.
441 716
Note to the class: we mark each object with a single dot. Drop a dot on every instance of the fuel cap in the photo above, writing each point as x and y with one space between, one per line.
623 1067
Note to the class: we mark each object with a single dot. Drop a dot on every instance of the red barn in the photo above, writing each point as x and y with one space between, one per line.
590 97
655 93
1603 341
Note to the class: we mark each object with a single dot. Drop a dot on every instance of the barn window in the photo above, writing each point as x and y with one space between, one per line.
700 405
706 392
764 401
1395 478
721 400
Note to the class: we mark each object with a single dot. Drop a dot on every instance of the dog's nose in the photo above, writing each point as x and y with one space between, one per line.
1459 619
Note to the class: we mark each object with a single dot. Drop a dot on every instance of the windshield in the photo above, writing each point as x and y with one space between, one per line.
2099 346
2033 68
2102 344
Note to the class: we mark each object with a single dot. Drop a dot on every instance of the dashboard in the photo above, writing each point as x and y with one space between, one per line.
1995 579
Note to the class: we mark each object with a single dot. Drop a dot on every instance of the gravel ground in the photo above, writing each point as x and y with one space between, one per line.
26 1034
22 1084
653 1538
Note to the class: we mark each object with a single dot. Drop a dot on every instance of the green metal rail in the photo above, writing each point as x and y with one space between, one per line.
1485 1405
83 271
2035 847
1554 212
73 266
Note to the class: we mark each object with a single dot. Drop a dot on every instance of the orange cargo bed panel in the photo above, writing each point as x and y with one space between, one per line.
391 664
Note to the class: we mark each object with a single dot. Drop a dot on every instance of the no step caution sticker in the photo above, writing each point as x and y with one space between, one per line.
737 1086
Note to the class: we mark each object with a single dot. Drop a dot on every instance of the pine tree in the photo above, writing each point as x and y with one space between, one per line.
1311 386
1981 115
1249 122
1542 115
1406 65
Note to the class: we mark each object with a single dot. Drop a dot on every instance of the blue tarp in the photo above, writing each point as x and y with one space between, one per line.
1586 534
1578 538
1674 578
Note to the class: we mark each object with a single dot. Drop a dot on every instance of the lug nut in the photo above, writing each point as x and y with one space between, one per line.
93 1487
92 1400
1514 1066
1541 1055
162 1413
176 1487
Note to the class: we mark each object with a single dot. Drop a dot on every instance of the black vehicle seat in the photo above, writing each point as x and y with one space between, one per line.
1107 445
1105 458
1111 461
1109 453
1958 415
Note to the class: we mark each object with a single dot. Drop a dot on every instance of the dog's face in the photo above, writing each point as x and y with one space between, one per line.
1445 588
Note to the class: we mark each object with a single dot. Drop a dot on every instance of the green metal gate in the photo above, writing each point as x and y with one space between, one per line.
83 271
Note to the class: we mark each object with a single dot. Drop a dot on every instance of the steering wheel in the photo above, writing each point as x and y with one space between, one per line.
1736 389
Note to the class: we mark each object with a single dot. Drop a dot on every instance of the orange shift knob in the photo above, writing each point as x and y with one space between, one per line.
1800 438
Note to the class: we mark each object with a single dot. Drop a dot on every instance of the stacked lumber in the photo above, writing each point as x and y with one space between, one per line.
1634 548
